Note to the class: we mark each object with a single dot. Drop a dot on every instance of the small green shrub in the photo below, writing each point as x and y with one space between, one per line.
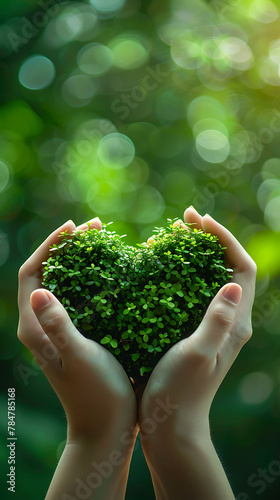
136 302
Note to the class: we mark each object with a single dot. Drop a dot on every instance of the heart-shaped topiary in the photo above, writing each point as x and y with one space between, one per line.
136 302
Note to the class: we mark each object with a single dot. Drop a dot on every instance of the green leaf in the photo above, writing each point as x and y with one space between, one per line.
153 320
135 356
106 340
145 369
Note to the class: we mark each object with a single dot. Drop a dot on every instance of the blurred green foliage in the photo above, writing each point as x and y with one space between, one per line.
133 110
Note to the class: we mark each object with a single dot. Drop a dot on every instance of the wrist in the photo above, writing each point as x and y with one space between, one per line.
114 446
188 468
96 467
175 439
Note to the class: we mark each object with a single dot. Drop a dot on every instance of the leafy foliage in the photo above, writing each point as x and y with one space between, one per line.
137 302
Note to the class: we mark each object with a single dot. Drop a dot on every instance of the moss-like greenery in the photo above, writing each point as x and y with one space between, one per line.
137 302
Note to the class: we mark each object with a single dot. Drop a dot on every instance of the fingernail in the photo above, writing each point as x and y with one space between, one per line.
67 222
96 219
191 206
233 293
39 299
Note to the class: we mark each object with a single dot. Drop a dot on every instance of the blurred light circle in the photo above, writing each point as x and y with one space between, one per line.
68 24
104 197
187 55
139 172
74 21
205 107
209 123
4 176
77 90
215 76
263 11
272 214
269 71
4 248
129 53
107 6
95 59
37 72
149 205
268 190
116 150
255 388
238 52
271 169
213 146
211 48
237 151
274 51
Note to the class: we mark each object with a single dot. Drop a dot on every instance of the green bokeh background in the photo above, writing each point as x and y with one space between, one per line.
131 111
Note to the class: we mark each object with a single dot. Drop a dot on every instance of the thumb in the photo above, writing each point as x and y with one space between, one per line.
56 323
218 320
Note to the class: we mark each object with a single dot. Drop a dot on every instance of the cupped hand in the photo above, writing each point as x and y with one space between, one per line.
93 388
176 401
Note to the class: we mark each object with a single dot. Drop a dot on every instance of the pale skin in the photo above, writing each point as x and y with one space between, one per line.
99 401
93 388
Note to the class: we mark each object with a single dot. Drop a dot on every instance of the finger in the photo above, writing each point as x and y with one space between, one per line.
235 254
56 323
244 271
30 278
217 322
33 264
91 224
30 272
244 274
191 216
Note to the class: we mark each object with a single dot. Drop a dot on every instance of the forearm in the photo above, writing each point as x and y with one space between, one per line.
96 471
189 470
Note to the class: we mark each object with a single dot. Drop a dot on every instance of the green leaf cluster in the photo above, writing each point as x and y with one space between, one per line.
136 302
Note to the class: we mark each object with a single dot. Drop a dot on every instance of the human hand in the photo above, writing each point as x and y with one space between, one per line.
190 373
93 388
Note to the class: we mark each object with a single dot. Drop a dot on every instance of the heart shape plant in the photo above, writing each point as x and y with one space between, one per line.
136 301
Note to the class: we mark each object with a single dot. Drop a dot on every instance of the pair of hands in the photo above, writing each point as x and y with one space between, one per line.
96 394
